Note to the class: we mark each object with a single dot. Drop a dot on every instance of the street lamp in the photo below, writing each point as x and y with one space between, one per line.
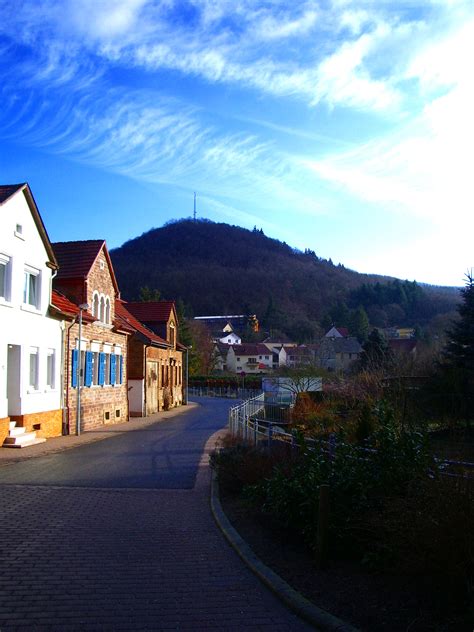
82 307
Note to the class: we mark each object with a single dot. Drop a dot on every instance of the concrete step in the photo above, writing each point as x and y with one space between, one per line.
20 440
17 431
24 444
12 424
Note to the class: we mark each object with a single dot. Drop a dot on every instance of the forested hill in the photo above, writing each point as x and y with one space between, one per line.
221 269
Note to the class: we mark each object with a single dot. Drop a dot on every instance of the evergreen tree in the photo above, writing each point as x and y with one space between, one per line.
359 324
457 364
459 352
149 296
376 353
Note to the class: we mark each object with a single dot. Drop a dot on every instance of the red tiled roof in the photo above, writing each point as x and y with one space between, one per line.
7 190
76 258
68 308
249 349
124 315
152 311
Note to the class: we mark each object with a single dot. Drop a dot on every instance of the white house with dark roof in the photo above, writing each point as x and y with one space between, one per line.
249 358
30 340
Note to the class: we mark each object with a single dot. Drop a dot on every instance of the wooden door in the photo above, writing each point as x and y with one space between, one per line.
151 387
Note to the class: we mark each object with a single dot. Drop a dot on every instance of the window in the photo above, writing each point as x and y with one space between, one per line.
172 335
95 306
107 311
31 287
102 309
4 277
33 381
118 368
95 368
107 370
50 368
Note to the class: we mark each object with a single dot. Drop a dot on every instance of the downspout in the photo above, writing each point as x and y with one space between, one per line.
144 408
66 388
186 378
63 400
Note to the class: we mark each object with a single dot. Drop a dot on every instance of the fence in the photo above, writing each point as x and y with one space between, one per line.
229 392
253 421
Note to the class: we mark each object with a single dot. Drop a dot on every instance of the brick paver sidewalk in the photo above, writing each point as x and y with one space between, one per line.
125 559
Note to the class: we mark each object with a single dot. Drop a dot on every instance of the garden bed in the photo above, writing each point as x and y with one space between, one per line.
369 601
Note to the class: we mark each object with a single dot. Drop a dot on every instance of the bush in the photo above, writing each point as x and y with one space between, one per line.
359 481
239 464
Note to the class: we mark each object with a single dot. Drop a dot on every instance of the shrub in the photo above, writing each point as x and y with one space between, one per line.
239 464
359 480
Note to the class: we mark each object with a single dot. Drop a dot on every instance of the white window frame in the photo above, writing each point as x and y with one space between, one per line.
33 368
6 264
29 273
96 305
107 314
107 350
51 369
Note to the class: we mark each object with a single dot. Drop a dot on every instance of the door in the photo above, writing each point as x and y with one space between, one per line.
151 387
13 380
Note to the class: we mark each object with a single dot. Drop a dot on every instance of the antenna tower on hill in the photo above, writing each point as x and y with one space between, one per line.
194 205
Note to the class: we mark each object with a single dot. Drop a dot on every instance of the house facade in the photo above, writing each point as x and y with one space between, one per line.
249 358
86 288
30 340
338 353
156 367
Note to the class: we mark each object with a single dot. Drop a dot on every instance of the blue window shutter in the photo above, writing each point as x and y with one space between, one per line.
121 369
113 368
74 359
88 369
101 369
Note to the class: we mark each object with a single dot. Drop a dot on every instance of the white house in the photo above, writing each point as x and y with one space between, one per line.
231 338
30 340
249 358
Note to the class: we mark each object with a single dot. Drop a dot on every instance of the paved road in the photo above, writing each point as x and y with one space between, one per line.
118 535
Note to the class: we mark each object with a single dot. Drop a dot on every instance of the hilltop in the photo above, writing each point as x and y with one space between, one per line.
215 268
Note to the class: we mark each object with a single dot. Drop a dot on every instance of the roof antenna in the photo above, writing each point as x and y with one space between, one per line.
194 206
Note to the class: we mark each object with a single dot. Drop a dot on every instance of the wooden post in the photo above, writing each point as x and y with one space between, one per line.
322 527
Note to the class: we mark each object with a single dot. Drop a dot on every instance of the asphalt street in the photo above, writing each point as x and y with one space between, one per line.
118 535
162 456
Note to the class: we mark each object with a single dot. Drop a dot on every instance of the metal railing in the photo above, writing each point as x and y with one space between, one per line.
228 392
249 422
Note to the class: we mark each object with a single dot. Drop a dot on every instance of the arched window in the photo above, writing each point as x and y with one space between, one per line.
172 334
107 311
95 305
102 309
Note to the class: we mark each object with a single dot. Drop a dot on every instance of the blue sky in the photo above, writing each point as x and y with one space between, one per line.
344 126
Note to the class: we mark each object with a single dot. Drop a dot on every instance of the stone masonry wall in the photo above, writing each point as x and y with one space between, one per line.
96 401
100 280
165 358
46 424
4 427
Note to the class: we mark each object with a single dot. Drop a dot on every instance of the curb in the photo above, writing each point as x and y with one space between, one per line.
69 442
313 615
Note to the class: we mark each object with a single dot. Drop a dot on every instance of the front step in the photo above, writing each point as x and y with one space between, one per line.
19 438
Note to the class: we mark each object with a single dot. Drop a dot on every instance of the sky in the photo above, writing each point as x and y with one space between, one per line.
343 126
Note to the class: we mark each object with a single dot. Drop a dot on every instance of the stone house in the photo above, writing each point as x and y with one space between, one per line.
30 339
155 370
160 363
86 278
336 354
